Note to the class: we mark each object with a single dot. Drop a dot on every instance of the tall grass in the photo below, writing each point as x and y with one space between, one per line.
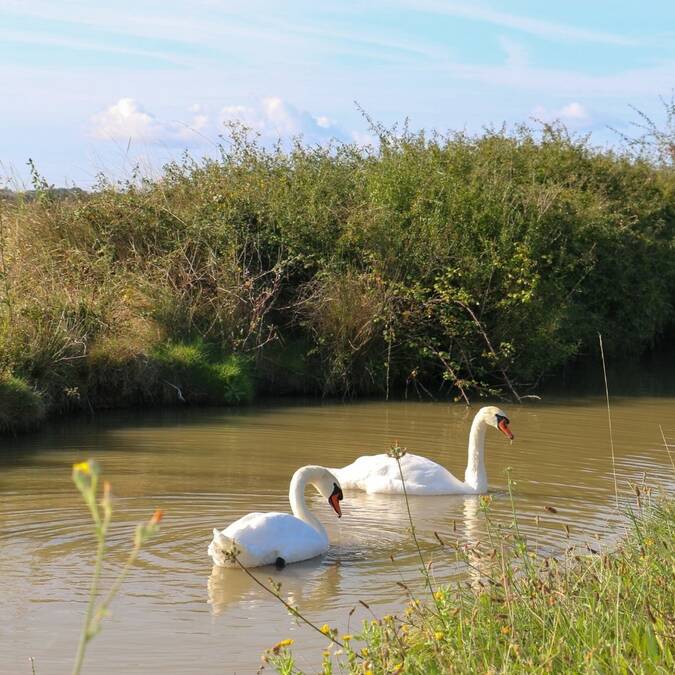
465 264
585 611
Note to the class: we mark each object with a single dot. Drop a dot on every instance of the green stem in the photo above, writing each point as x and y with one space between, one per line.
103 606
292 610
85 635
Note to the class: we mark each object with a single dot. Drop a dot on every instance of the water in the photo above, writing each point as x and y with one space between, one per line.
206 468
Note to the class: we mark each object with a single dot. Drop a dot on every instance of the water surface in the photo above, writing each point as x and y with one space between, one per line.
206 468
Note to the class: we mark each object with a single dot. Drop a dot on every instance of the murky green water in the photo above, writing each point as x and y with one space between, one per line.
206 468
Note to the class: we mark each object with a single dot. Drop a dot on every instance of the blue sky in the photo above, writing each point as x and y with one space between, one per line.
89 87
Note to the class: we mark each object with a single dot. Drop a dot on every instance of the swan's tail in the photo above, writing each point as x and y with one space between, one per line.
222 548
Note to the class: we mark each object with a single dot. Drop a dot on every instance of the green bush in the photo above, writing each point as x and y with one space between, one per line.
21 407
432 261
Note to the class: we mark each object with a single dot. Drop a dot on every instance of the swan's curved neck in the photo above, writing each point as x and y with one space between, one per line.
475 475
296 496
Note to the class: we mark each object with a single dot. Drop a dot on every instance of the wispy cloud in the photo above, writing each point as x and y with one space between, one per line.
39 38
539 27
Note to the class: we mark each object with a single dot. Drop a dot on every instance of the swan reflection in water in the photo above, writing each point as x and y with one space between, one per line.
380 528
311 584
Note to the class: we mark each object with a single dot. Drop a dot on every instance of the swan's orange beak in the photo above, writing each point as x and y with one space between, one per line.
335 499
504 428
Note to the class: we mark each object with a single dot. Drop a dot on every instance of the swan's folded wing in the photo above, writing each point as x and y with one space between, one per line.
380 474
266 536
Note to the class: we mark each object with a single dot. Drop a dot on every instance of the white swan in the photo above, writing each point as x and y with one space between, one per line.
380 474
279 538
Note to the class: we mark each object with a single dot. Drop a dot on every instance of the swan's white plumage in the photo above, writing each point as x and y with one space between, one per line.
380 473
262 538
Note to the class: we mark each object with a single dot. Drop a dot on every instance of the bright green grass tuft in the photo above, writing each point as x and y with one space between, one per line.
21 407
203 375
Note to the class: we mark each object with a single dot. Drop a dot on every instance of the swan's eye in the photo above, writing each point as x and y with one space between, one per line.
502 418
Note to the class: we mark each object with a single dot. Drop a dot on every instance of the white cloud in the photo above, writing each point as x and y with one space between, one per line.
127 120
274 118
573 113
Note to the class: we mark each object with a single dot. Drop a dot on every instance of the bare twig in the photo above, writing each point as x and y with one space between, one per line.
481 330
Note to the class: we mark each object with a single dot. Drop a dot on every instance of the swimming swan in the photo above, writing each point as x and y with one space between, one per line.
380 474
279 538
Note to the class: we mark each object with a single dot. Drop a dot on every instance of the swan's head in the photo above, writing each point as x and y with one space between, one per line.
329 488
496 418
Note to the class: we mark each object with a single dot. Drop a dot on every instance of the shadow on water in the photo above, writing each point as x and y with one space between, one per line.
651 375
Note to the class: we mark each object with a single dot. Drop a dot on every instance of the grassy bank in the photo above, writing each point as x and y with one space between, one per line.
585 612
448 265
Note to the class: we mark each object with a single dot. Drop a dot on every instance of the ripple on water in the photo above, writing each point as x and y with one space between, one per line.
207 469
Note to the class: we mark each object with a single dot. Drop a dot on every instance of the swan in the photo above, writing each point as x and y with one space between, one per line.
380 474
280 538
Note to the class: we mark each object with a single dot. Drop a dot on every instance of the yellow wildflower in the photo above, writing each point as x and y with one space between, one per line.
347 637
438 635
649 542
506 630
280 645
325 629
83 467
439 595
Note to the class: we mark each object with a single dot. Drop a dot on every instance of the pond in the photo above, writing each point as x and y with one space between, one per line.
206 468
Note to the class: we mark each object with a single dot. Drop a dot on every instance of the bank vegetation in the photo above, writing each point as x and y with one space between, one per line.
434 265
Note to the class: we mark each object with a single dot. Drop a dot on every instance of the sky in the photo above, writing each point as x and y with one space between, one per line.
90 88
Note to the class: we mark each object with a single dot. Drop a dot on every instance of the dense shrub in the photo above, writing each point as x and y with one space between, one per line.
473 261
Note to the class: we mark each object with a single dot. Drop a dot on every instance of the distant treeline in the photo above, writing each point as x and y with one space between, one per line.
451 265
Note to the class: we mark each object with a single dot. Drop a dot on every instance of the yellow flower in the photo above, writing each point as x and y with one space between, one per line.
368 672
83 467
280 645
325 629
438 635
439 595
506 630
347 637
649 542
